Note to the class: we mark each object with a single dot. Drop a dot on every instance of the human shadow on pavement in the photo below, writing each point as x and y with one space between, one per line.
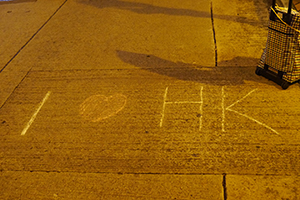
231 74
143 8
16 1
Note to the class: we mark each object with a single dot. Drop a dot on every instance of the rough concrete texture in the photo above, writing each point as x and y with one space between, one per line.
263 187
38 185
143 99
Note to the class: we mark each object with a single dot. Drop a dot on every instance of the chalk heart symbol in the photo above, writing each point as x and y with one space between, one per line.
99 107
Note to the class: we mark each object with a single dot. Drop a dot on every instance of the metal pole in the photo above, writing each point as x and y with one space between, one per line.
290 7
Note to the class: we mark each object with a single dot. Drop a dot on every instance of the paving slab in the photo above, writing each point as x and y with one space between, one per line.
240 30
20 21
168 117
263 187
132 88
38 185
184 130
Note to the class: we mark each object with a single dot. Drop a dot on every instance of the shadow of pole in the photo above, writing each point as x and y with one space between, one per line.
232 74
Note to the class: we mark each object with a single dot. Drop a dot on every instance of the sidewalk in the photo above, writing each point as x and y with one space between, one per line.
142 99
296 4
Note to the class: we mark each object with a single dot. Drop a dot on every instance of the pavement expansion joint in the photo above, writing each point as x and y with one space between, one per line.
224 187
224 175
121 173
214 34
31 38
1 106
26 43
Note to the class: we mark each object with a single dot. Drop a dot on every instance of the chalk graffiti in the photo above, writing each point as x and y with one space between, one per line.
99 107
35 113
229 108
183 102
223 107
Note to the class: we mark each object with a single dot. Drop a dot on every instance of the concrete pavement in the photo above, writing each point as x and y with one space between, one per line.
142 99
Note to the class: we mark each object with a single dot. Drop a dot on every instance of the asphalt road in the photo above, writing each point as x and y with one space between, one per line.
142 99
